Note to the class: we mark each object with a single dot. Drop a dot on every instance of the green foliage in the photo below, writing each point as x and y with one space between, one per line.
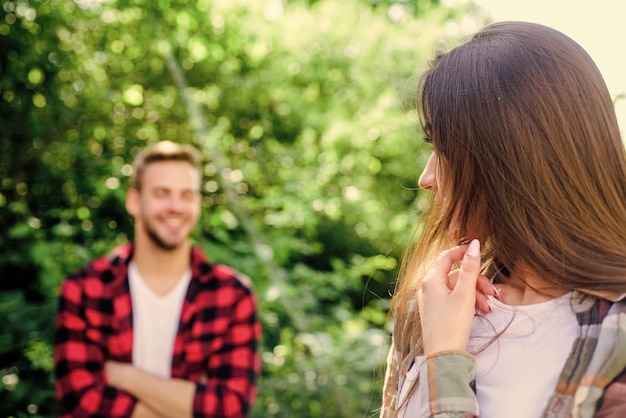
312 159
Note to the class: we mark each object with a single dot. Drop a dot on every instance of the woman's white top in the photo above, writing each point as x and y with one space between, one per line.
516 373
155 322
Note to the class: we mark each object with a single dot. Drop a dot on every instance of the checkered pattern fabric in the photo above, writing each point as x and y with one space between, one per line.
592 383
215 346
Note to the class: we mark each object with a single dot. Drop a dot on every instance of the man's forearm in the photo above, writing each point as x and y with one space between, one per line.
165 397
142 411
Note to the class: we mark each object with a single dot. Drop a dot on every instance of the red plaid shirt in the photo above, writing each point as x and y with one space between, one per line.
215 346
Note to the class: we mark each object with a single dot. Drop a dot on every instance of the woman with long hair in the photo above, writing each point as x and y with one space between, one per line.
511 303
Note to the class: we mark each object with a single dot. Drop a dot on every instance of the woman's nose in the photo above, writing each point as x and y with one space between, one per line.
429 175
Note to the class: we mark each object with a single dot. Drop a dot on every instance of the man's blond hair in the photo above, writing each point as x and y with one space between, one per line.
163 151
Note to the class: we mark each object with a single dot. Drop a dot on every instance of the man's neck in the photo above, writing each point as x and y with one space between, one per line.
161 269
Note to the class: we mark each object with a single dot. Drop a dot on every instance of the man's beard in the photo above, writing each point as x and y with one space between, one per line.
156 239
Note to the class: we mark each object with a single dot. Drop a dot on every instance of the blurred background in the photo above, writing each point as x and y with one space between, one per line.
303 112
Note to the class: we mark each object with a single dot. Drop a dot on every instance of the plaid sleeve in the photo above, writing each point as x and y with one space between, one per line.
232 370
613 402
80 381
444 388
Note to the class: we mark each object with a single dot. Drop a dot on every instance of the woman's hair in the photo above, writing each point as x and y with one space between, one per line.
163 151
531 162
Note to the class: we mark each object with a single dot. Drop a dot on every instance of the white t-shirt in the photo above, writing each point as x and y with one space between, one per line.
518 372
155 322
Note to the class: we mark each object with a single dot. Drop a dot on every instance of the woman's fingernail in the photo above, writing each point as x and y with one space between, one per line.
487 310
474 248
496 292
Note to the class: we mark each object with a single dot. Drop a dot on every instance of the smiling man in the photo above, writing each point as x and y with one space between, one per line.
154 329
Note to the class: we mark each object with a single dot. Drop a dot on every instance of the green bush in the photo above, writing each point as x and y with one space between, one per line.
312 159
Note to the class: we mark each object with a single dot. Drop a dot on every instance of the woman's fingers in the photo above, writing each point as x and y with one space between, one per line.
484 286
484 289
447 309
482 302
470 269
444 262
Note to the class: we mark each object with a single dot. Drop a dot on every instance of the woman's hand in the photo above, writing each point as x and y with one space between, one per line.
448 299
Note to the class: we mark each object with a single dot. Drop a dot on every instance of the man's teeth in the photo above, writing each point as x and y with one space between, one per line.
173 222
